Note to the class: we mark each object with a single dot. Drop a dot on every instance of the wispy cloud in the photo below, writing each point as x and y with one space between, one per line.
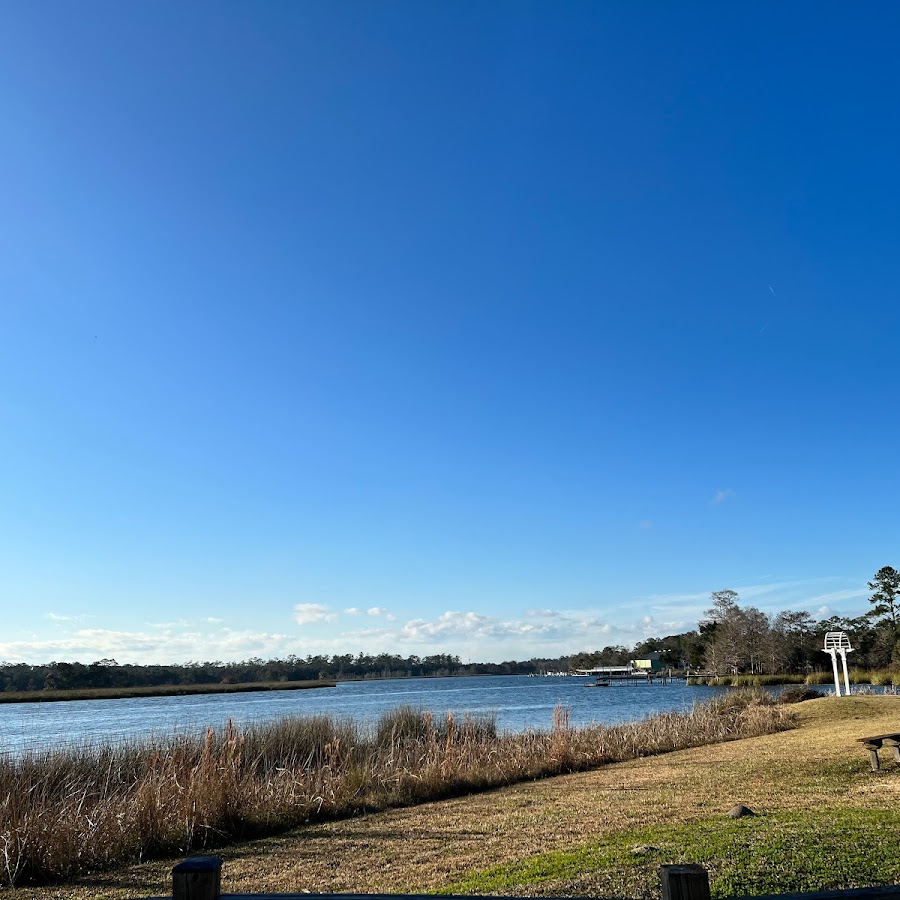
858 593
379 612
539 624
721 495
310 613
645 523
650 626
477 636
469 633
89 644
770 596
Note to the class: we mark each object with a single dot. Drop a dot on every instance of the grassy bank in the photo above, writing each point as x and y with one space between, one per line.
823 820
784 851
63 813
160 690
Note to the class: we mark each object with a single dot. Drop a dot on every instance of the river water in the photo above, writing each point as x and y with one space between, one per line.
517 702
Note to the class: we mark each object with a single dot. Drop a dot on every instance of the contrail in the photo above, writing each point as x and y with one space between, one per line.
773 291
761 330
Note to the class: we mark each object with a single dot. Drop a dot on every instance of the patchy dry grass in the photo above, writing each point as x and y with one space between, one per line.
574 834
65 813
769 853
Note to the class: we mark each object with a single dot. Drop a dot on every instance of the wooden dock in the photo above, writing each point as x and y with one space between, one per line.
630 674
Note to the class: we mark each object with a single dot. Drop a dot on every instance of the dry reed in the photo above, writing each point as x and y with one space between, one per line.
80 809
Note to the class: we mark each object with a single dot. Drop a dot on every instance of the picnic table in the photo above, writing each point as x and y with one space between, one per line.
876 742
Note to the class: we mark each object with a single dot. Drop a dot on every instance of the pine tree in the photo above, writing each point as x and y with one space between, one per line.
886 597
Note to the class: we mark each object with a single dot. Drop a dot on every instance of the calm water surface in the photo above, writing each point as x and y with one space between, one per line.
518 703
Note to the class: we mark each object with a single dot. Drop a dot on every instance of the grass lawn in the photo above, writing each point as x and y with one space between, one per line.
824 820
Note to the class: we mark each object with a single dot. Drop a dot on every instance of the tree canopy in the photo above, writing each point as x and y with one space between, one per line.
885 598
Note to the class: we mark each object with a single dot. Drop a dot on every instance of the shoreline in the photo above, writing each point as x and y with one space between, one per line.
602 832
94 808
161 690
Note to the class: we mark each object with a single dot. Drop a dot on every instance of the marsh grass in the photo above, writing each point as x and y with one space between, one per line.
880 677
748 680
70 811
159 690
876 677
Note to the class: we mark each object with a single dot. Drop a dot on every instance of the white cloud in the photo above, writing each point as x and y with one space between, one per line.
651 627
476 636
769 596
475 626
89 644
860 593
645 523
471 634
721 495
379 612
309 613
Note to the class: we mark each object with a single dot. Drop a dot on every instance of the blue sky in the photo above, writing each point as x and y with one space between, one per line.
497 329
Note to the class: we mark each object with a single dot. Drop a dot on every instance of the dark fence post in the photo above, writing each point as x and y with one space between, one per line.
689 882
197 878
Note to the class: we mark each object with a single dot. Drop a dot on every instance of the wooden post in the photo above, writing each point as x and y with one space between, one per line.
197 878
895 745
872 747
688 882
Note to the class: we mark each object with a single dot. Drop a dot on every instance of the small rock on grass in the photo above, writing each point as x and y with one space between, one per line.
738 811
644 849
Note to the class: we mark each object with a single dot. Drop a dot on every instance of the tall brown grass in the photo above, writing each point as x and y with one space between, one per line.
747 680
69 811
879 677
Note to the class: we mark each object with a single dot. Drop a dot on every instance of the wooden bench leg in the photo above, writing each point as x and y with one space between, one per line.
894 745
873 756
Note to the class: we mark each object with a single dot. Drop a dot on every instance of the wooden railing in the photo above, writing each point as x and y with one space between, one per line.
200 878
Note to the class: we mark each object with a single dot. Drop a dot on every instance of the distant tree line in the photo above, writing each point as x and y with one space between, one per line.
107 673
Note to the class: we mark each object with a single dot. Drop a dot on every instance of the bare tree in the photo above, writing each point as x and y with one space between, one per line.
724 645
755 631
789 645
